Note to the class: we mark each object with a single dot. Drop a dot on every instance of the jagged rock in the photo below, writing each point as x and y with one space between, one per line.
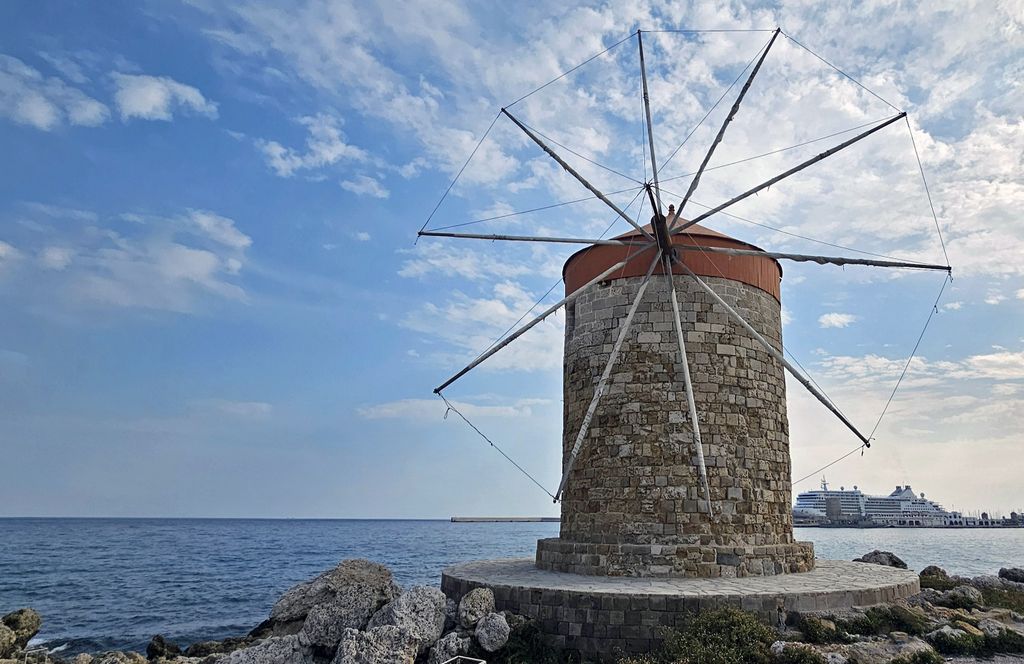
934 570
207 648
451 614
882 652
991 628
118 657
381 645
963 597
830 657
492 632
347 595
290 649
449 646
887 558
1015 574
420 611
987 581
25 623
474 605
7 639
968 627
160 647
514 620
82 659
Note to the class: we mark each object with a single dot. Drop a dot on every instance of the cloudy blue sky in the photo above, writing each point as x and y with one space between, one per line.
213 304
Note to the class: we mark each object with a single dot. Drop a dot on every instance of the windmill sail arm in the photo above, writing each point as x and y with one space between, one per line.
603 381
691 404
782 176
525 328
529 238
571 171
721 132
776 354
821 260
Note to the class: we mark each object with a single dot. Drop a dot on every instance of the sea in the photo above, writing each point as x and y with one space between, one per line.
104 584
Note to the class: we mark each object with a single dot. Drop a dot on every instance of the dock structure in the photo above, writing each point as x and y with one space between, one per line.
505 519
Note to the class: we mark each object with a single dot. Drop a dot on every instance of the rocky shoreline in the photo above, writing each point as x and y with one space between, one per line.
357 614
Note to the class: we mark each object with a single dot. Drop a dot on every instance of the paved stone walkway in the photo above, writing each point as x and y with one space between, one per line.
828 576
599 616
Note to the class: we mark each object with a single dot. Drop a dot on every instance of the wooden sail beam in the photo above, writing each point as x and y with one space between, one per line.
821 260
571 171
776 354
532 238
603 381
550 310
721 132
688 385
782 176
656 203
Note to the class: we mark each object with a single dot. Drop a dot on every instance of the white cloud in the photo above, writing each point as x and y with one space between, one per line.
953 306
7 253
27 97
364 185
219 229
434 410
361 236
994 297
835 319
243 409
136 261
1020 294
56 258
158 98
466 326
325 146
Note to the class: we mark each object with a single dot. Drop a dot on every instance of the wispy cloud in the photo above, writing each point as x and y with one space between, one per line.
364 185
158 98
836 319
325 145
47 103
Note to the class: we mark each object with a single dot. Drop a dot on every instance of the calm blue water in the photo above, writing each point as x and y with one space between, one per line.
113 583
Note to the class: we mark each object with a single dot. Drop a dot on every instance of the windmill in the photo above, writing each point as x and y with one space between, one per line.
680 270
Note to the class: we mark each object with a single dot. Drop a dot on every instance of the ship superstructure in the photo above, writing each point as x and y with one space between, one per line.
901 508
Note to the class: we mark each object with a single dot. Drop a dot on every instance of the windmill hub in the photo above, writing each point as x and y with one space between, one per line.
633 503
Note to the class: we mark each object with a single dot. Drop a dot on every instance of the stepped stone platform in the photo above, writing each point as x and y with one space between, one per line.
601 616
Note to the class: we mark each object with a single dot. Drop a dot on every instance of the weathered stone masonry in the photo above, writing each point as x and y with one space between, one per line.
632 505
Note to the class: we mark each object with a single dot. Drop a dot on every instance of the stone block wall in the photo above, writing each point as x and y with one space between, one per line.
635 481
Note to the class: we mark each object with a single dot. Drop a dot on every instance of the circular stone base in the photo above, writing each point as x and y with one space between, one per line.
601 616
673 560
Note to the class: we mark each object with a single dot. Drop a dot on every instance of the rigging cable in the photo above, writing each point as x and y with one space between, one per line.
934 310
595 163
450 407
567 72
712 109
459 174
536 209
862 86
927 191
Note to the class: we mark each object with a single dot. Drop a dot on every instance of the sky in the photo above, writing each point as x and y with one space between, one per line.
214 303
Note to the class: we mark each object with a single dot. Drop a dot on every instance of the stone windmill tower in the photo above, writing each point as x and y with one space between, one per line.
675 450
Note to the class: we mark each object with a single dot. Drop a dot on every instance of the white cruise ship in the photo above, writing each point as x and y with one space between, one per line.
901 508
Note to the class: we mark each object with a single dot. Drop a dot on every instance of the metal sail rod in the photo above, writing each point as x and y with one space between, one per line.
571 171
528 238
601 384
650 125
691 403
732 113
552 309
821 260
777 355
786 174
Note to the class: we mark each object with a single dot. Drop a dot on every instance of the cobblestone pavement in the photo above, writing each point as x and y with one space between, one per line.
828 576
